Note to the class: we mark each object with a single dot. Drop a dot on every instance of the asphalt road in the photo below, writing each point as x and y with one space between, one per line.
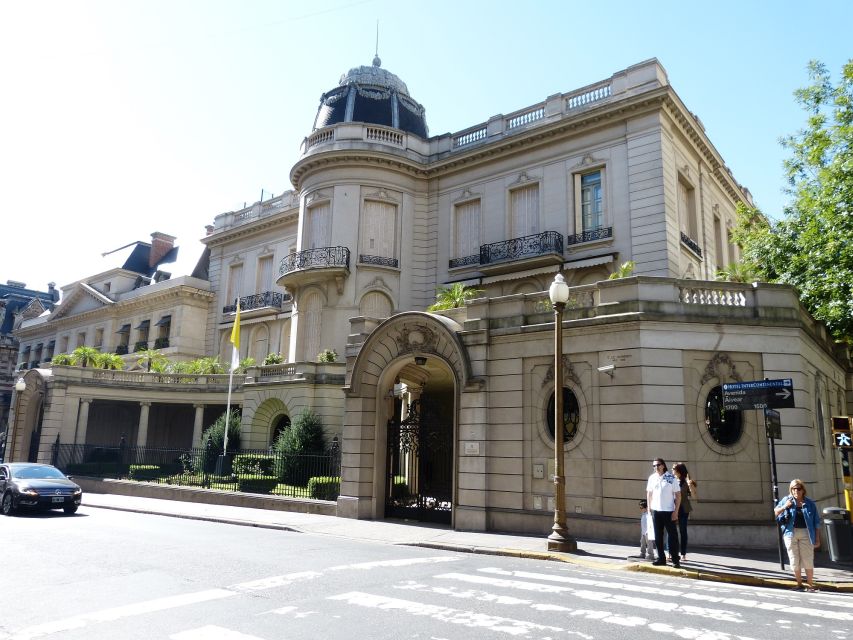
120 576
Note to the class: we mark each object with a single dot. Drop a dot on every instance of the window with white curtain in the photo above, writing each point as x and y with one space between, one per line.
264 274
466 229
378 225
375 305
319 226
310 325
592 204
235 283
260 343
524 211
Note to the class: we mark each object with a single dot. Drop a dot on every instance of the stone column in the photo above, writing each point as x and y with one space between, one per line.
142 433
197 424
82 421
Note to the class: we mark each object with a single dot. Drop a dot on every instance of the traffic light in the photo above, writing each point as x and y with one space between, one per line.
842 434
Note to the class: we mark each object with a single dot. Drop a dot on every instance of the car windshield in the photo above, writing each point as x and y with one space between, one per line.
43 472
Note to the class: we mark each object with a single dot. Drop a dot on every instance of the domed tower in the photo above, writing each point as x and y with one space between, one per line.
363 191
371 95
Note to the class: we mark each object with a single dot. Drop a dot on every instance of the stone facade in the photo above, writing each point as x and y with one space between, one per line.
578 184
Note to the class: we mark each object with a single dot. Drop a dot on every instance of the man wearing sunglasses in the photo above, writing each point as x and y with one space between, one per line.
664 498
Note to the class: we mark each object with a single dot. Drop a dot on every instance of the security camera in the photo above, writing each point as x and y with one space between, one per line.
608 369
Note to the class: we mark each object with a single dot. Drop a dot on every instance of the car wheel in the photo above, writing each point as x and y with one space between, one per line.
70 509
6 506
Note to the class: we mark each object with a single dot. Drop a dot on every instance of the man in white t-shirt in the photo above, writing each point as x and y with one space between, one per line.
664 498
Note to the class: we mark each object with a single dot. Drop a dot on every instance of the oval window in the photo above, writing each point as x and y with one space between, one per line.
571 415
725 427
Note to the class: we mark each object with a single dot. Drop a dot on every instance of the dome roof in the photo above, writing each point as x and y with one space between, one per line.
372 95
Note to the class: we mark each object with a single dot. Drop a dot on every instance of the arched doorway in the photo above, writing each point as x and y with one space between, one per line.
419 455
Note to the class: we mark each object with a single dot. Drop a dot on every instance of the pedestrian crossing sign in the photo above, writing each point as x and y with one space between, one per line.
842 436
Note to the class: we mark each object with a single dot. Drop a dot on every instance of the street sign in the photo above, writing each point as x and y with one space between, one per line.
773 424
759 394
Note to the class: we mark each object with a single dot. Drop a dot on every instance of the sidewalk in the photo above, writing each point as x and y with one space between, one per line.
749 567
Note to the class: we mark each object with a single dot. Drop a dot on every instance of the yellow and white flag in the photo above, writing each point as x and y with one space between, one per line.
235 340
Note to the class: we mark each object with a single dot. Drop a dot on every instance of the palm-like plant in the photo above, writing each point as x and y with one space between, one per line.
110 361
453 297
738 272
152 359
62 359
84 356
625 270
245 363
207 366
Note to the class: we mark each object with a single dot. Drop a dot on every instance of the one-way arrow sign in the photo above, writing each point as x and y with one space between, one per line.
759 394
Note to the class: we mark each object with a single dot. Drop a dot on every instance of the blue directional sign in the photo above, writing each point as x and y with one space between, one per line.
759 394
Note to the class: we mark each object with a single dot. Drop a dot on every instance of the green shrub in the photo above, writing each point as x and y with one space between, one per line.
257 484
213 439
143 472
327 355
254 464
96 469
303 437
273 358
324 487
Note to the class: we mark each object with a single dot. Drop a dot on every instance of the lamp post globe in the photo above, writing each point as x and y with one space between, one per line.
559 539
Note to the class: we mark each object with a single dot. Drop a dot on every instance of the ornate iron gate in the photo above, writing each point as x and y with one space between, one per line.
419 474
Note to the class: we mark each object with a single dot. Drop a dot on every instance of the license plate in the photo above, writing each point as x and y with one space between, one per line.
58 499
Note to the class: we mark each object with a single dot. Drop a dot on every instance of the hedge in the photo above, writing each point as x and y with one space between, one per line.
324 487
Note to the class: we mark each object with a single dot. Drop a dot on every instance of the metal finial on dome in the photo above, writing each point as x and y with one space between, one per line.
376 61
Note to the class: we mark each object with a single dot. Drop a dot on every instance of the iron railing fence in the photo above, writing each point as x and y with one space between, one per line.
314 476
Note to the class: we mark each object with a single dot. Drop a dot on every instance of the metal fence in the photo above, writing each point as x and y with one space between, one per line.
315 476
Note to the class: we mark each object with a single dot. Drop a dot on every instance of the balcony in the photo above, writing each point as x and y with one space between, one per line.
314 265
537 250
378 260
590 235
691 244
466 261
266 300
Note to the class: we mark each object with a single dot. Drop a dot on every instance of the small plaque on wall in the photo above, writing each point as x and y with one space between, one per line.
472 448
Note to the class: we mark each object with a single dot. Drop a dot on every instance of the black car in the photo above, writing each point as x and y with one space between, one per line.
36 486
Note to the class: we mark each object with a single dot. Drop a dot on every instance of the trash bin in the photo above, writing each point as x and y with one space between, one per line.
839 534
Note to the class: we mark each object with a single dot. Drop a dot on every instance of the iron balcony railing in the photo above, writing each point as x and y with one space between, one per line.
466 261
385 262
602 233
272 299
518 248
691 243
121 349
141 345
315 475
324 257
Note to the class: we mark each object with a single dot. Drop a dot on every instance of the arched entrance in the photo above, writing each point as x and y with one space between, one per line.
419 455
400 438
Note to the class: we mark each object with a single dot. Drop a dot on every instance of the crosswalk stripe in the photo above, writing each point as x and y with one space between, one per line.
212 632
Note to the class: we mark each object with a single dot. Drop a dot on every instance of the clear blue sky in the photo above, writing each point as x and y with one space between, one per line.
123 117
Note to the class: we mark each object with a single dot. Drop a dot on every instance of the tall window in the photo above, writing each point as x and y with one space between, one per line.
592 210
260 343
99 338
264 275
687 210
378 225
81 339
235 283
466 229
524 211
309 327
318 227
718 243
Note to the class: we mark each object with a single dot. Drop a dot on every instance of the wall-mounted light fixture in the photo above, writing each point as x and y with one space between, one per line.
420 360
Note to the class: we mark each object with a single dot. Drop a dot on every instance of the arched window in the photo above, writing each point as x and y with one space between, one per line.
375 305
725 427
571 415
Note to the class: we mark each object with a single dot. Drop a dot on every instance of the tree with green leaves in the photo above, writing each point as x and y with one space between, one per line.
811 247
110 361
85 356
453 297
625 270
213 437
152 359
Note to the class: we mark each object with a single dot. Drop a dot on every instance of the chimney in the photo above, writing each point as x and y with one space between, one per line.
161 244
54 293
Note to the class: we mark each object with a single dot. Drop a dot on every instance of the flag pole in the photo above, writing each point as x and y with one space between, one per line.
235 362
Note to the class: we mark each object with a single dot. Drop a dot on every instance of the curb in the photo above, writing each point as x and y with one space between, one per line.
695 574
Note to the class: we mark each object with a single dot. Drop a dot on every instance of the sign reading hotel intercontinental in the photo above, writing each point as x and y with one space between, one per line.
759 394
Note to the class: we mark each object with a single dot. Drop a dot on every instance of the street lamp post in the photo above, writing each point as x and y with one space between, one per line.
8 455
559 540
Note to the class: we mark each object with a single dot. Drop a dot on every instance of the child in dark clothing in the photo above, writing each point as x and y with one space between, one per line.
647 532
